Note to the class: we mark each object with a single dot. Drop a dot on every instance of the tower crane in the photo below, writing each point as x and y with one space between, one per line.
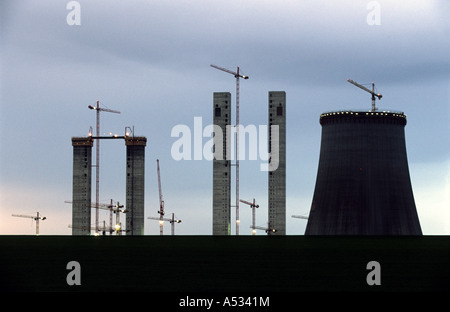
161 201
253 206
98 109
378 95
172 221
116 209
161 212
269 229
35 218
103 228
236 75
300 217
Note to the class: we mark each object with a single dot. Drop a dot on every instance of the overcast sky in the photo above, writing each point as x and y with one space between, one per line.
150 61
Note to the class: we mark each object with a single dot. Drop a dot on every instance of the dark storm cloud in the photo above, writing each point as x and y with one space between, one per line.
150 60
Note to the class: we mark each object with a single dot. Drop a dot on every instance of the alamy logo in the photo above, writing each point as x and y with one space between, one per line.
222 147
374 16
74 16
74 276
374 276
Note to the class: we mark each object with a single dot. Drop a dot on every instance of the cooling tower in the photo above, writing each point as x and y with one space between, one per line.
363 185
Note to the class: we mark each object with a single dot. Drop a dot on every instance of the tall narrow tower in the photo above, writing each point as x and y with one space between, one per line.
135 189
221 164
363 185
277 178
81 186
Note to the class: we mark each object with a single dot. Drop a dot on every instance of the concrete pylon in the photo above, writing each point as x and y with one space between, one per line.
135 185
81 185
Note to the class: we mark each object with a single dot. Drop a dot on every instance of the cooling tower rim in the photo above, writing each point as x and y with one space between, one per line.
364 114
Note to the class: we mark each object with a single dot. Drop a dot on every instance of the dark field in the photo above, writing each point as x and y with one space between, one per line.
189 264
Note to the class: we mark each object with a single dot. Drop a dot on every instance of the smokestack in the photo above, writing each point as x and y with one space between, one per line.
363 185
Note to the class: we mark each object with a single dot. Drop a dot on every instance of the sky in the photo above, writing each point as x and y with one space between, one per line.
151 59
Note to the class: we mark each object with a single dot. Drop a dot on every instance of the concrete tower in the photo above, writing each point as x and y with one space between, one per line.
81 186
363 185
277 178
135 189
221 165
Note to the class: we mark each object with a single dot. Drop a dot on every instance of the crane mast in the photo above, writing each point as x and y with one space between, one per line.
236 75
372 92
253 206
161 212
98 109
161 202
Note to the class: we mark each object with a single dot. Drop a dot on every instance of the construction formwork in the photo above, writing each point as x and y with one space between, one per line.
221 165
135 185
81 186
277 149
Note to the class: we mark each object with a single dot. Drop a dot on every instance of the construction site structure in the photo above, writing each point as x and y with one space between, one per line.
277 148
113 209
363 186
236 75
161 212
172 222
252 205
116 209
161 201
35 218
135 178
81 185
221 216
98 109
300 217
103 229
270 230
135 184
372 92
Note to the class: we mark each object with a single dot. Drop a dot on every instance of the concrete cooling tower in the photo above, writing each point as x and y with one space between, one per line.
363 185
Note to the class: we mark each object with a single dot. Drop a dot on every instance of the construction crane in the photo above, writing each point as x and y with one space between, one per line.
35 218
116 209
161 201
300 217
98 109
172 221
269 230
236 75
161 212
253 206
102 229
378 95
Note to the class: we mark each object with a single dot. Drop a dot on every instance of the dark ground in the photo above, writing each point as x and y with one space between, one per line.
224 264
